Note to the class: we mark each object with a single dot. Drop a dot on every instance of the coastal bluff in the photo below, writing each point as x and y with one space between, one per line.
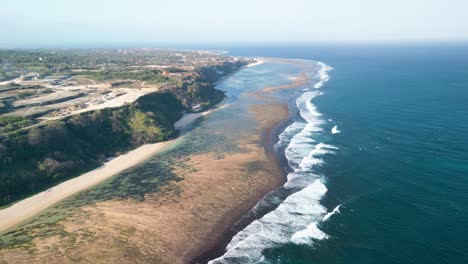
34 159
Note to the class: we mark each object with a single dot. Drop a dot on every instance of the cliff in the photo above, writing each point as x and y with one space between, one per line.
35 159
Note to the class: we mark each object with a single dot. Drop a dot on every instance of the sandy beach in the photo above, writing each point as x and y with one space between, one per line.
29 207
257 62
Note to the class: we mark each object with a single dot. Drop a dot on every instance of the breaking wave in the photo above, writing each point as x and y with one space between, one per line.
323 74
297 219
335 130
336 210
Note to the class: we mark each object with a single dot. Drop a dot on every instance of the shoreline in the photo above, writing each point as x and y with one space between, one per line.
187 221
240 217
188 119
258 61
214 248
27 208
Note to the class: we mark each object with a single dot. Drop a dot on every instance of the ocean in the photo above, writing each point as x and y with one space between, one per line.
376 159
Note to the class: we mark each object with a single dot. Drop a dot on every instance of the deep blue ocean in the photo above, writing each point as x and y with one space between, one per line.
400 171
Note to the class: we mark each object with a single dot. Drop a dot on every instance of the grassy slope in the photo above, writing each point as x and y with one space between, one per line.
33 160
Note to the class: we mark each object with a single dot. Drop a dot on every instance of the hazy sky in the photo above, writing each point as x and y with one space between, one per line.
31 22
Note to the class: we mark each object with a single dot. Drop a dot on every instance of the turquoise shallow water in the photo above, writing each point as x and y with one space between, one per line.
401 171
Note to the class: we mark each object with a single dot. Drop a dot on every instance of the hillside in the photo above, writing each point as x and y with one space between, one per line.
40 156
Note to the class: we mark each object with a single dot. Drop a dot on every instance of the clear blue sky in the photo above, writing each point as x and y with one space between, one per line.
34 22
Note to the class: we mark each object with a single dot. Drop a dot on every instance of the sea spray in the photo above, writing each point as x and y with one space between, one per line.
336 210
335 130
295 213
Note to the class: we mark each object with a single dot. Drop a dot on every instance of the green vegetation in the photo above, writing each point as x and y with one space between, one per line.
151 76
64 62
11 92
15 86
8 124
34 159
25 94
201 90
8 75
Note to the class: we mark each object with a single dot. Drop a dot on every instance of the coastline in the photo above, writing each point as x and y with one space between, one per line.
188 119
188 220
258 61
237 219
222 233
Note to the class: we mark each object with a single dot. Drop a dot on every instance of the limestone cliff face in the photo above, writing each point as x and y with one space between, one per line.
200 90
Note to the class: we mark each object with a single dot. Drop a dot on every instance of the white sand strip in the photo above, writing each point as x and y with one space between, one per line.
257 62
188 118
29 207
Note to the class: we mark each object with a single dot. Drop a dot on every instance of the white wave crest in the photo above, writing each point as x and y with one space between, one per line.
278 226
335 130
311 232
296 219
322 75
301 142
330 214
310 160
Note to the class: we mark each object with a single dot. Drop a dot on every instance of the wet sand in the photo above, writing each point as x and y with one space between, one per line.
298 80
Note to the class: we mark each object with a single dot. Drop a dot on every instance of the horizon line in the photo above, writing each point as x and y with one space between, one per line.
169 44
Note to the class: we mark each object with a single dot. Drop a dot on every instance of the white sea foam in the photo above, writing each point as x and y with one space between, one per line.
330 214
288 133
335 130
297 218
311 232
322 75
311 160
301 143
278 226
